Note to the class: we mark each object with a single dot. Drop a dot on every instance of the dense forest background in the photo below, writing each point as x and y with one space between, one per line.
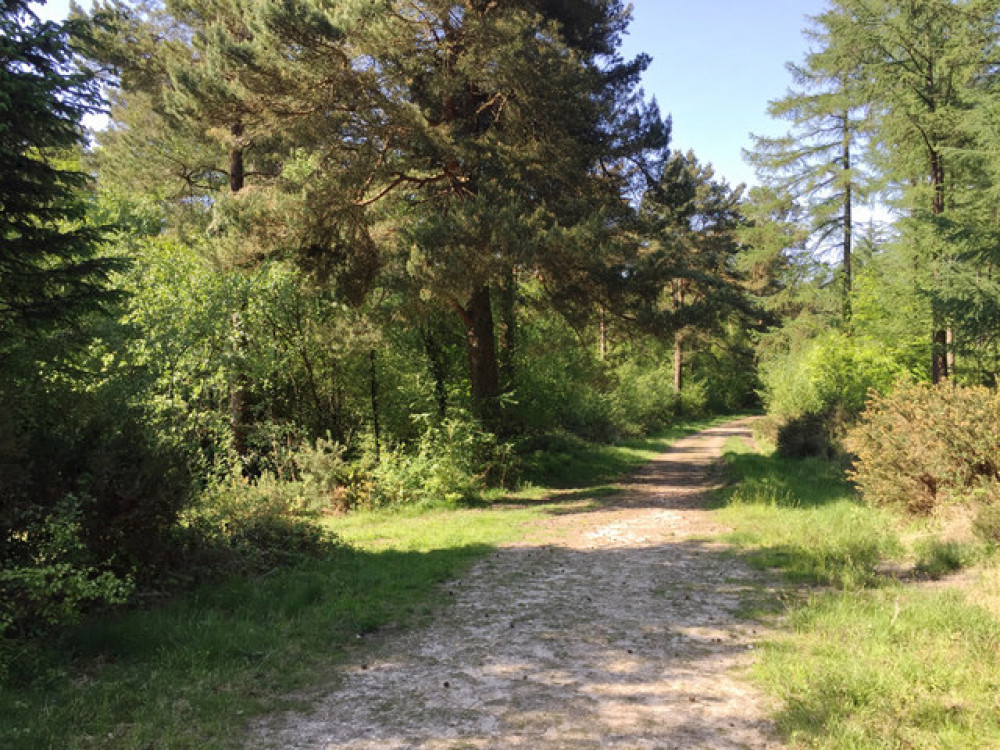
330 256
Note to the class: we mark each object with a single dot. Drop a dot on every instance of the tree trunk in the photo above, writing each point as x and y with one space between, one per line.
939 336
949 339
435 357
237 172
678 340
373 382
240 385
508 317
848 220
604 336
678 361
480 343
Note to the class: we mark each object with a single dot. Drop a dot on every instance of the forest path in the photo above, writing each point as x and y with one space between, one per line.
607 627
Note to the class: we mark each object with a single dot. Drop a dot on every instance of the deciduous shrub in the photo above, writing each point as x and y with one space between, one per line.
817 389
924 446
50 578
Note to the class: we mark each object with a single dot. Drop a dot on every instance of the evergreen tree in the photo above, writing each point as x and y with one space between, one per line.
817 162
692 219
920 64
476 140
50 269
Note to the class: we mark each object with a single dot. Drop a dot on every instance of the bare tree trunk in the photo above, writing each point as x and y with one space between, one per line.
939 336
848 221
678 361
480 344
604 336
373 382
435 357
239 387
508 317
949 339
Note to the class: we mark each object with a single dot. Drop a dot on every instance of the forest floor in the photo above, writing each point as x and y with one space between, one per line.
613 622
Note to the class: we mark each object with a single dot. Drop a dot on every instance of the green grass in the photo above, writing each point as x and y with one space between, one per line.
803 518
566 463
191 672
860 660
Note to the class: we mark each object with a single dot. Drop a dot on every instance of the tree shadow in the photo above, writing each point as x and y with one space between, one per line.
555 646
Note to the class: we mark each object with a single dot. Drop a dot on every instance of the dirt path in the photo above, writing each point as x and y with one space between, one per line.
604 628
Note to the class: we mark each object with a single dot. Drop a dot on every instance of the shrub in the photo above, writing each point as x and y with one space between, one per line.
986 524
48 577
805 436
832 373
247 526
643 398
924 446
816 390
450 464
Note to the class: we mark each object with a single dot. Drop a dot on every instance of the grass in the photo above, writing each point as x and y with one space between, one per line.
190 673
860 659
567 463
803 518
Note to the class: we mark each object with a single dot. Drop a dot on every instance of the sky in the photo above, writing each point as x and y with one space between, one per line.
716 65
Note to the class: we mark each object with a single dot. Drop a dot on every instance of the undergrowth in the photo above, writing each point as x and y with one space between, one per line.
861 658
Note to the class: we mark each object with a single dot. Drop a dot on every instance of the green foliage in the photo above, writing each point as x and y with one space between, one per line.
51 270
936 558
816 388
830 374
986 524
922 447
885 668
448 466
53 583
644 399
805 436
879 663
249 527
801 516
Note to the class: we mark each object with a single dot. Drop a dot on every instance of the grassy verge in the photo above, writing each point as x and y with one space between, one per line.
190 673
862 660
567 463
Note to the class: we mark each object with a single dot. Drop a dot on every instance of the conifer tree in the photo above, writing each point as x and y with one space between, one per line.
476 139
817 161
920 64
50 269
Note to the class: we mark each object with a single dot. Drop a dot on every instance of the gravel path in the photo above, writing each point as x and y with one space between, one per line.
604 628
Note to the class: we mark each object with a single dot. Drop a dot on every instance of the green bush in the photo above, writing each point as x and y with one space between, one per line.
52 579
451 464
924 446
830 374
643 398
247 526
805 436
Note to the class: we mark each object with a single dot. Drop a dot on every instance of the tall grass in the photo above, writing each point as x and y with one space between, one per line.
802 517
861 660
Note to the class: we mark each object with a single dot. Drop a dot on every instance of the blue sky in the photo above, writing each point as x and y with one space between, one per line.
716 64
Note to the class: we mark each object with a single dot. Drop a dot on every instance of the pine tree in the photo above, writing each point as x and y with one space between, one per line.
477 140
817 161
692 220
920 64
50 268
